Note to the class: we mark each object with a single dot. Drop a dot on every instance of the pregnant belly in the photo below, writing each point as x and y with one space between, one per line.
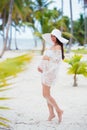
46 58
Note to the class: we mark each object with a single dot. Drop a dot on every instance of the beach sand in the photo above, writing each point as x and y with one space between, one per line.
29 110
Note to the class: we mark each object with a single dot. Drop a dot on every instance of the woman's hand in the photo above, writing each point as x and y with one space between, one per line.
40 70
46 58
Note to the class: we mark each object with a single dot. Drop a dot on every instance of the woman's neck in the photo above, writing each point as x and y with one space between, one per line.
55 44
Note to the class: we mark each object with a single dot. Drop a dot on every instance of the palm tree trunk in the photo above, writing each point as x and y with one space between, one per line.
16 47
43 47
71 15
62 14
10 39
75 81
8 26
35 42
85 22
4 20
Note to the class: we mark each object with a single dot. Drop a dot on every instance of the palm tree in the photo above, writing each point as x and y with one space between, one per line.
4 15
77 67
41 4
47 21
8 70
8 26
79 31
40 12
39 7
84 2
21 12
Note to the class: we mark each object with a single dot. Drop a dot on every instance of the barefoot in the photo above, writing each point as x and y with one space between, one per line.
51 117
60 115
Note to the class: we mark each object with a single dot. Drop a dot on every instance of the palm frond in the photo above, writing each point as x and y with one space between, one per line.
4 108
4 119
4 89
12 66
4 125
5 98
82 69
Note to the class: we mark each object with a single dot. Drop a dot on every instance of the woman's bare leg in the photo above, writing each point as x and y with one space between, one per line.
52 102
51 112
50 107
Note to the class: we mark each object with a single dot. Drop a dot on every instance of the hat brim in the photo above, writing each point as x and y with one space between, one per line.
47 38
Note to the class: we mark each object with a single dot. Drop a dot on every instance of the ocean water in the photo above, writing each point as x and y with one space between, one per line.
23 44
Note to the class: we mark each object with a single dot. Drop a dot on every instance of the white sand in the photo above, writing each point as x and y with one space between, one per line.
29 107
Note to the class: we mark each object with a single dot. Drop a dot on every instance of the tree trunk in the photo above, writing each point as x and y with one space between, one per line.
8 26
35 42
75 81
43 47
4 20
16 47
85 22
62 14
10 39
71 15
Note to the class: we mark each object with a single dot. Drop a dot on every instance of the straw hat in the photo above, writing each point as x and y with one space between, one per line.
57 33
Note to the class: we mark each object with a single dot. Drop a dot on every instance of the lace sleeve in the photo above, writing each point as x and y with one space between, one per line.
57 56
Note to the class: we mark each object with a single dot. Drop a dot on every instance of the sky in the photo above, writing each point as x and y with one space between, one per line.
76 7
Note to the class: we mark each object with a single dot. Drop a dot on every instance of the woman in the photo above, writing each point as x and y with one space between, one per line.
48 68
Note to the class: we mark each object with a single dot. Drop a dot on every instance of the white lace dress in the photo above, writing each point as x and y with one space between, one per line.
50 67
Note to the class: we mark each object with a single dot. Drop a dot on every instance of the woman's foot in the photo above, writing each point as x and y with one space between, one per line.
60 115
51 117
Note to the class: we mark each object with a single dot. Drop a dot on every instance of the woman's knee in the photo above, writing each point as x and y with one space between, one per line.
45 95
46 92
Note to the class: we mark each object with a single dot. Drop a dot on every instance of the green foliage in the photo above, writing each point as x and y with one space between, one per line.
79 31
4 108
10 68
77 66
67 35
4 125
74 59
81 51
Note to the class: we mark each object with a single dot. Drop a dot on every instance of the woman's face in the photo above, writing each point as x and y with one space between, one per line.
53 38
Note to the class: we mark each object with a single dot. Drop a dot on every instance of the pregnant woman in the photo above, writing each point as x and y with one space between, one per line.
49 67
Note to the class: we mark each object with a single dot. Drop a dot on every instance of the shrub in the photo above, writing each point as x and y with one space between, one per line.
76 67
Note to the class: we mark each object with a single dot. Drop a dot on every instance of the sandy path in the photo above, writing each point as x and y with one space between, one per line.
29 107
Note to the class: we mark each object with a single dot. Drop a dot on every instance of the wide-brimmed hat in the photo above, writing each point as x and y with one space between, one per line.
57 33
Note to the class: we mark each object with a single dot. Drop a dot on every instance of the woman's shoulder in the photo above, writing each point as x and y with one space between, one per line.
57 47
49 50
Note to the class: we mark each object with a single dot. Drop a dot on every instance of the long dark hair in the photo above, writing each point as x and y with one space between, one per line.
61 44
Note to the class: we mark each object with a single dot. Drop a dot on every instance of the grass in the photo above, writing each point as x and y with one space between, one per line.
80 51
